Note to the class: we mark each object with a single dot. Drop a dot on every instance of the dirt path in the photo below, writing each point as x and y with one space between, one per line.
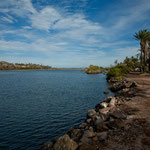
134 132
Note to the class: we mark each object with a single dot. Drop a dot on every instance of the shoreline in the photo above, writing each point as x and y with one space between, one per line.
109 121
41 69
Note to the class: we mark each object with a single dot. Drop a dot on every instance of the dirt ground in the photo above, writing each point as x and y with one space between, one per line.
133 133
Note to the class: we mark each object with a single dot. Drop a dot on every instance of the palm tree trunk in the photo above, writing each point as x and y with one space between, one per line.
141 44
149 55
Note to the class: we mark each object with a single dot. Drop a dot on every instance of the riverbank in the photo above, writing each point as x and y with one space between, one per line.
120 122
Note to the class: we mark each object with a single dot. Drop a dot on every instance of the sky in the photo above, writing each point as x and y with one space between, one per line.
71 33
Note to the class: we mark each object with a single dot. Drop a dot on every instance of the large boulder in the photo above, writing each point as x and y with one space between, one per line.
65 143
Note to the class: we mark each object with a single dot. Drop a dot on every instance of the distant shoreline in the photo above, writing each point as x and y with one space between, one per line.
43 69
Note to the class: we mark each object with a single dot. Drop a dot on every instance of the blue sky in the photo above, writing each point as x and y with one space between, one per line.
71 33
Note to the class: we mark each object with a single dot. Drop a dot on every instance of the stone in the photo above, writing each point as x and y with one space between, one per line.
89 120
103 136
112 103
88 134
134 84
91 129
83 125
90 113
47 146
125 90
105 110
104 104
106 92
75 134
118 115
85 140
95 138
108 99
84 146
99 124
65 143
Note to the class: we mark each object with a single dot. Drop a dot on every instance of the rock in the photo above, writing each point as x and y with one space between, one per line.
88 120
118 115
91 129
102 136
95 138
112 102
85 140
99 124
134 84
97 107
65 143
106 92
117 86
83 125
75 134
125 90
104 104
88 134
47 146
90 113
105 110
84 146
108 99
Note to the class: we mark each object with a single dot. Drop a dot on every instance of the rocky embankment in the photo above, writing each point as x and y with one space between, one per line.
106 126
94 72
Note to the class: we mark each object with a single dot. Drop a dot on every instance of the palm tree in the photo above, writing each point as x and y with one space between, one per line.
149 52
143 36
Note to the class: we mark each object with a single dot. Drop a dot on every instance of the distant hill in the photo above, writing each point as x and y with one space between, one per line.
20 66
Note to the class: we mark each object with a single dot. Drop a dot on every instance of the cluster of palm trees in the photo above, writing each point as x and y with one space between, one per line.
144 37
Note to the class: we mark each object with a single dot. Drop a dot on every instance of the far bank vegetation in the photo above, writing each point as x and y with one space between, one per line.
20 66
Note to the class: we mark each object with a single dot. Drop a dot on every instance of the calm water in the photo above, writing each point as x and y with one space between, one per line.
38 106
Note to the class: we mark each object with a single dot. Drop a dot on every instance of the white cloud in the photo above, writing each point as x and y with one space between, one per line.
45 18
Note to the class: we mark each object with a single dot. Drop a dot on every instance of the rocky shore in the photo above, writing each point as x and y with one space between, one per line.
112 125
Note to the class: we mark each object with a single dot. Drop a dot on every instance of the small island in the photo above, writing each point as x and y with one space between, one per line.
94 69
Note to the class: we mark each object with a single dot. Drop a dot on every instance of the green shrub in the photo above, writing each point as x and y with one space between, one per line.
118 71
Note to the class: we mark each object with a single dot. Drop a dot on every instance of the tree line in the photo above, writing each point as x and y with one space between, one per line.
144 37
